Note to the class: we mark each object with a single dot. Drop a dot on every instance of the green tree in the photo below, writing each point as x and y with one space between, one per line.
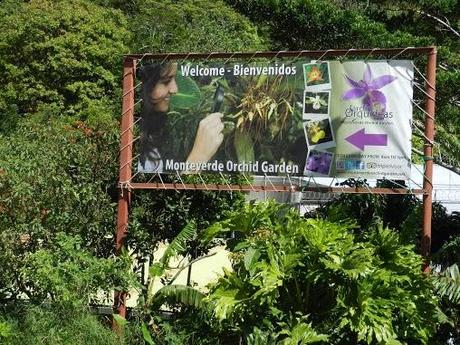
64 58
159 215
61 57
192 26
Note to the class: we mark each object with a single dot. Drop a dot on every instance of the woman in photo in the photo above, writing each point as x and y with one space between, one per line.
158 85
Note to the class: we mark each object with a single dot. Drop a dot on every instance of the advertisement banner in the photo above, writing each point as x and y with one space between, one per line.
302 118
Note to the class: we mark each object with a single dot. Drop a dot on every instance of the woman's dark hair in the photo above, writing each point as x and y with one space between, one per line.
152 122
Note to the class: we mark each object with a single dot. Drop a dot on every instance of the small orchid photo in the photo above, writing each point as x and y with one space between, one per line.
319 132
316 103
318 163
316 75
368 88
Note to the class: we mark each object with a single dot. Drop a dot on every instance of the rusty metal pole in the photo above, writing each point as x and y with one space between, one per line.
428 157
126 153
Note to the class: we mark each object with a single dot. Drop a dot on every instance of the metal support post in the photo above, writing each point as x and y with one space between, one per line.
126 152
428 156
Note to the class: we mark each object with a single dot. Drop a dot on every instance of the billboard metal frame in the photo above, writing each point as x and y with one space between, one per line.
126 187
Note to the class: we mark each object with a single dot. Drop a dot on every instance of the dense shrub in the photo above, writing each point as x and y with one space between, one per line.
54 178
312 280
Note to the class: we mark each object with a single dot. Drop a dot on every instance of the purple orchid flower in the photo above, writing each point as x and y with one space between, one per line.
319 162
313 163
324 164
374 100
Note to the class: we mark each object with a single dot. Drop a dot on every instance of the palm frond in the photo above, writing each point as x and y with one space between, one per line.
447 283
449 252
179 294
178 244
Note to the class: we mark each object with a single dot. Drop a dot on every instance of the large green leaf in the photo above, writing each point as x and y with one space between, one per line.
393 342
157 270
177 246
250 259
213 231
188 94
302 333
225 301
146 335
120 320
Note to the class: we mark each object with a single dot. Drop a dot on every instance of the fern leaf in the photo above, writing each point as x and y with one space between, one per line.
447 283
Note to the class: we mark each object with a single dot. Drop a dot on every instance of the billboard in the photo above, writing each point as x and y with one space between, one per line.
300 118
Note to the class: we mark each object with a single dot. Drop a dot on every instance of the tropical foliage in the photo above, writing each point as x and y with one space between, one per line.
53 181
404 215
294 280
291 273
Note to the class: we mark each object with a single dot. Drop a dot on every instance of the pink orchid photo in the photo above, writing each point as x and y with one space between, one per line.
368 88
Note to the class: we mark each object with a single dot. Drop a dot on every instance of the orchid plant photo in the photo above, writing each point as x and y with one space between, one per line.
316 75
316 103
368 88
318 162
318 132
